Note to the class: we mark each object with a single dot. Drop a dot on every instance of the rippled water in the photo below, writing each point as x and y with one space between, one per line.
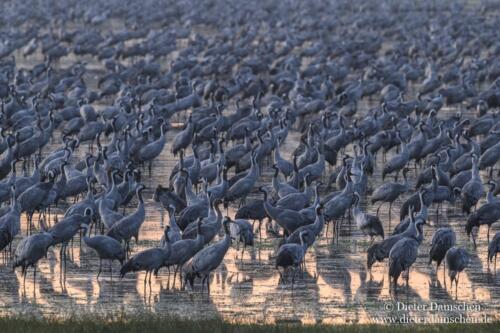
335 287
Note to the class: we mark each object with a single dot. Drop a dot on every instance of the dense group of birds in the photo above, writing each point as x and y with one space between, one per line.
240 76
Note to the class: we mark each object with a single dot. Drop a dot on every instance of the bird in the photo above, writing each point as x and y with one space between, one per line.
128 226
30 250
442 240
473 190
487 214
31 199
242 232
242 187
288 219
149 260
291 255
399 161
107 248
380 251
490 157
208 259
312 231
64 231
370 225
174 232
241 108
184 137
184 249
390 191
402 256
493 249
457 259
10 222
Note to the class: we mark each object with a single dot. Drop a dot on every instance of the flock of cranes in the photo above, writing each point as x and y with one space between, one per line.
240 92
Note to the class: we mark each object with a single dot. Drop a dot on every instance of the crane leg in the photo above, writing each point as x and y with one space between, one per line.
175 274
100 267
390 211
380 206
24 277
208 283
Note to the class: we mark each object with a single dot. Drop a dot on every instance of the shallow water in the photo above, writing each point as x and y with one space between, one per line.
334 288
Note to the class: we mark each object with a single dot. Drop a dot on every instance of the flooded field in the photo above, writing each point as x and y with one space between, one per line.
335 288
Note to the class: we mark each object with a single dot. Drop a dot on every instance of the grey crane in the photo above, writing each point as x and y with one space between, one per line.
310 212
487 214
208 259
210 226
237 152
490 196
64 231
460 179
369 224
184 137
88 202
254 210
397 162
31 199
389 192
150 260
297 201
244 186
10 222
426 175
7 157
184 249
337 206
167 197
288 219
403 255
219 191
493 249
490 157
380 251
174 232
152 149
464 162
442 240
473 190
291 255
128 227
108 216
242 232
281 188
285 166
316 169
414 199
30 250
422 213
457 259
313 230
107 248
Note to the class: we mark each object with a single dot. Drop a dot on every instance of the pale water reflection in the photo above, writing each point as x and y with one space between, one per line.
334 288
